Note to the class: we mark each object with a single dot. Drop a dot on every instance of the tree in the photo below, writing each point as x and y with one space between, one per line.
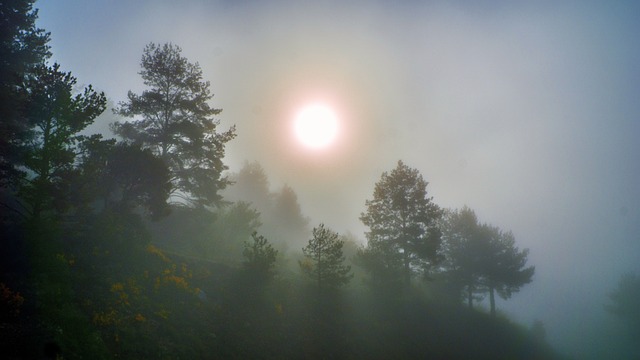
23 48
287 210
463 251
401 218
260 258
624 301
506 271
230 230
50 150
176 123
285 220
324 259
482 258
123 176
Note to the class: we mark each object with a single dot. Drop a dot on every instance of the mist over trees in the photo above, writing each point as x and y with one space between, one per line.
281 217
143 248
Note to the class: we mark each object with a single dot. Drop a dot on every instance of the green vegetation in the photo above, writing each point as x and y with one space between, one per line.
101 260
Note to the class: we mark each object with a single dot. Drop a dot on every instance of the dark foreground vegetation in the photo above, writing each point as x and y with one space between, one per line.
105 291
139 248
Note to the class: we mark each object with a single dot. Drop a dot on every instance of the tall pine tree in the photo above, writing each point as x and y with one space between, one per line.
324 260
403 236
173 119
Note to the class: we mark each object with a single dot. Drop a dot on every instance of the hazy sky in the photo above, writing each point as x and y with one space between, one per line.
527 113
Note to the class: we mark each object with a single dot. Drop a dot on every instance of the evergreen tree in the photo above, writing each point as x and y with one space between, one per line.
463 252
230 230
505 270
260 258
23 49
482 258
324 260
174 120
402 235
50 150
123 176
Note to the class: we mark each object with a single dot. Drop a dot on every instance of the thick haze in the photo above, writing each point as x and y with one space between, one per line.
529 114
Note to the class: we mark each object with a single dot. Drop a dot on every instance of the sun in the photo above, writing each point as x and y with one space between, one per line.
316 126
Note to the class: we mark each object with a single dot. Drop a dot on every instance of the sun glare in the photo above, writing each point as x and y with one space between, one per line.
316 126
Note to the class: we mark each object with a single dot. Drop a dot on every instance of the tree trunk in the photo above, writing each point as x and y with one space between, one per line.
492 300
470 293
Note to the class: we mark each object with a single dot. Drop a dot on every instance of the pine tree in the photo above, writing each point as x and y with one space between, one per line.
23 49
50 151
175 121
401 218
260 258
324 260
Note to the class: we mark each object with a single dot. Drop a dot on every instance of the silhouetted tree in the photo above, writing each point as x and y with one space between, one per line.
175 121
50 151
464 252
324 260
122 176
402 235
625 300
137 178
260 258
23 49
506 267
482 258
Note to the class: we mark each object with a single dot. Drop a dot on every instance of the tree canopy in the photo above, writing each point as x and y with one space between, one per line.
324 260
403 236
23 49
482 258
50 150
260 258
173 119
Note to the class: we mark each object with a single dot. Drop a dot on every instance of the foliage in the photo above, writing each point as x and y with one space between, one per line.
124 176
232 227
324 259
50 150
482 258
176 123
260 258
463 252
402 235
23 48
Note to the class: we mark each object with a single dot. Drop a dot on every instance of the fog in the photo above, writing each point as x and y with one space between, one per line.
527 113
